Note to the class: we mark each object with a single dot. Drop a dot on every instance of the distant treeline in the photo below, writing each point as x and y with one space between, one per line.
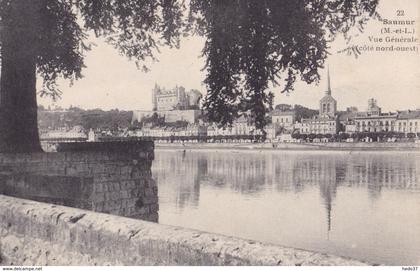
301 111
88 119
116 119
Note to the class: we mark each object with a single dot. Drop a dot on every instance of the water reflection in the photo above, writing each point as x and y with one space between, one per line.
254 172
354 190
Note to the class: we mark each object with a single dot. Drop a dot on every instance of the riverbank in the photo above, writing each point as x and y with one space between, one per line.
333 146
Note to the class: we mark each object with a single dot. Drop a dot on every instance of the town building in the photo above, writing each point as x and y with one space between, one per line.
346 120
350 127
190 116
92 136
272 131
192 130
215 131
373 120
283 119
320 125
241 127
287 138
76 133
376 123
408 122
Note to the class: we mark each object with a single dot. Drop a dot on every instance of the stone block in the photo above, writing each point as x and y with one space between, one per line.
150 200
125 171
124 194
154 208
112 205
116 186
98 197
99 187
143 210
97 168
104 178
149 192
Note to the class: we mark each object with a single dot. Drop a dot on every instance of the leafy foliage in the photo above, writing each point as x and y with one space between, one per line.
154 121
89 119
251 43
52 33
303 112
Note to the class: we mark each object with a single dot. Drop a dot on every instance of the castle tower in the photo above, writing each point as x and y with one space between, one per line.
373 108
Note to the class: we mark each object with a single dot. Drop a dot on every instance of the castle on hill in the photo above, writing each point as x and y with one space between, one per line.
173 105
175 99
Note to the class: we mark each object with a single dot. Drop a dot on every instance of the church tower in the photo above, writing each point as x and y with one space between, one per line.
155 93
328 105
328 92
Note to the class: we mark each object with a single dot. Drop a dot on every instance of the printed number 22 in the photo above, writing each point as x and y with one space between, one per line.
400 12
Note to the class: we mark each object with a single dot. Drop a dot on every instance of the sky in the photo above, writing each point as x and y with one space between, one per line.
112 81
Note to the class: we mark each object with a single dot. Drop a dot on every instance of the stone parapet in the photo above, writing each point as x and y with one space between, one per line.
99 177
34 233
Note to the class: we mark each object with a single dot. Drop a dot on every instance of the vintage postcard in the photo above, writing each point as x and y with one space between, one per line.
209 133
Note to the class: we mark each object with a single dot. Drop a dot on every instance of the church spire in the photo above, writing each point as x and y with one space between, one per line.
328 92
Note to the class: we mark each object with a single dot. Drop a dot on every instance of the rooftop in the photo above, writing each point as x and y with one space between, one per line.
282 113
409 114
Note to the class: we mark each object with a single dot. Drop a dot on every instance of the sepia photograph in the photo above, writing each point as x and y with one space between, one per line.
204 133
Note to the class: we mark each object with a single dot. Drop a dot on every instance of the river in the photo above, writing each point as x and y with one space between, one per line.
362 205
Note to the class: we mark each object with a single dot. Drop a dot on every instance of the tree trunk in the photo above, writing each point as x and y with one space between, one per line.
18 105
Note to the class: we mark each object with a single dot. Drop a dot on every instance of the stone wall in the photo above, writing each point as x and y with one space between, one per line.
115 178
34 233
357 146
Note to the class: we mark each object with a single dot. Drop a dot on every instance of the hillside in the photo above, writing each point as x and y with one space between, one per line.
95 119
